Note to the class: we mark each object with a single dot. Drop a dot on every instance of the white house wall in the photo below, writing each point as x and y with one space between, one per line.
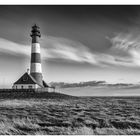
24 86
34 86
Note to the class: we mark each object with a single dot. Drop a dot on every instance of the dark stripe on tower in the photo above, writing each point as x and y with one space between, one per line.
35 39
35 58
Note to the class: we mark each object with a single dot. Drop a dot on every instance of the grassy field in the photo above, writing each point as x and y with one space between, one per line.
74 116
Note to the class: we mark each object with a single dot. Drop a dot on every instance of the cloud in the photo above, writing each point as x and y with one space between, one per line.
126 46
13 48
50 48
69 50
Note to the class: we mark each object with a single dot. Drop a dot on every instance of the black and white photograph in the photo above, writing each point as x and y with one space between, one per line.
69 70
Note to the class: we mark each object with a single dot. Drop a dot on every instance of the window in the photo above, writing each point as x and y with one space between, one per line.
22 87
30 87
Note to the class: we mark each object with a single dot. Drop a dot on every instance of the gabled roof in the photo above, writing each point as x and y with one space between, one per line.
26 79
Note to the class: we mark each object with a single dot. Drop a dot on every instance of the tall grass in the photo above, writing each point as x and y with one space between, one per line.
74 116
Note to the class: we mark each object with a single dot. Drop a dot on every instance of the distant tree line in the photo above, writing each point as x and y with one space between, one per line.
80 84
88 83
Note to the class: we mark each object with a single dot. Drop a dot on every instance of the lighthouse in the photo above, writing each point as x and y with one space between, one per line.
33 79
35 68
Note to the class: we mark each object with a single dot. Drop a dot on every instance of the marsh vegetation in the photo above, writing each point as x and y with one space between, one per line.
74 116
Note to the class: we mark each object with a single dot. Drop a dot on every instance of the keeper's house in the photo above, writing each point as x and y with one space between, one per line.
26 81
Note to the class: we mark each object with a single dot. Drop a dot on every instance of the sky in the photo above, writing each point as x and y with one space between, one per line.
78 43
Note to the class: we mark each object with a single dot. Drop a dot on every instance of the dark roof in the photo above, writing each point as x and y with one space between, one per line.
45 84
26 79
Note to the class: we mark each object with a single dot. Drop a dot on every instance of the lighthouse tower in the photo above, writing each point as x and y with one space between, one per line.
35 67
34 79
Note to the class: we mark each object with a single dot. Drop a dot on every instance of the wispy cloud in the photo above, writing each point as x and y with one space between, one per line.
129 44
13 48
51 48
75 51
69 50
